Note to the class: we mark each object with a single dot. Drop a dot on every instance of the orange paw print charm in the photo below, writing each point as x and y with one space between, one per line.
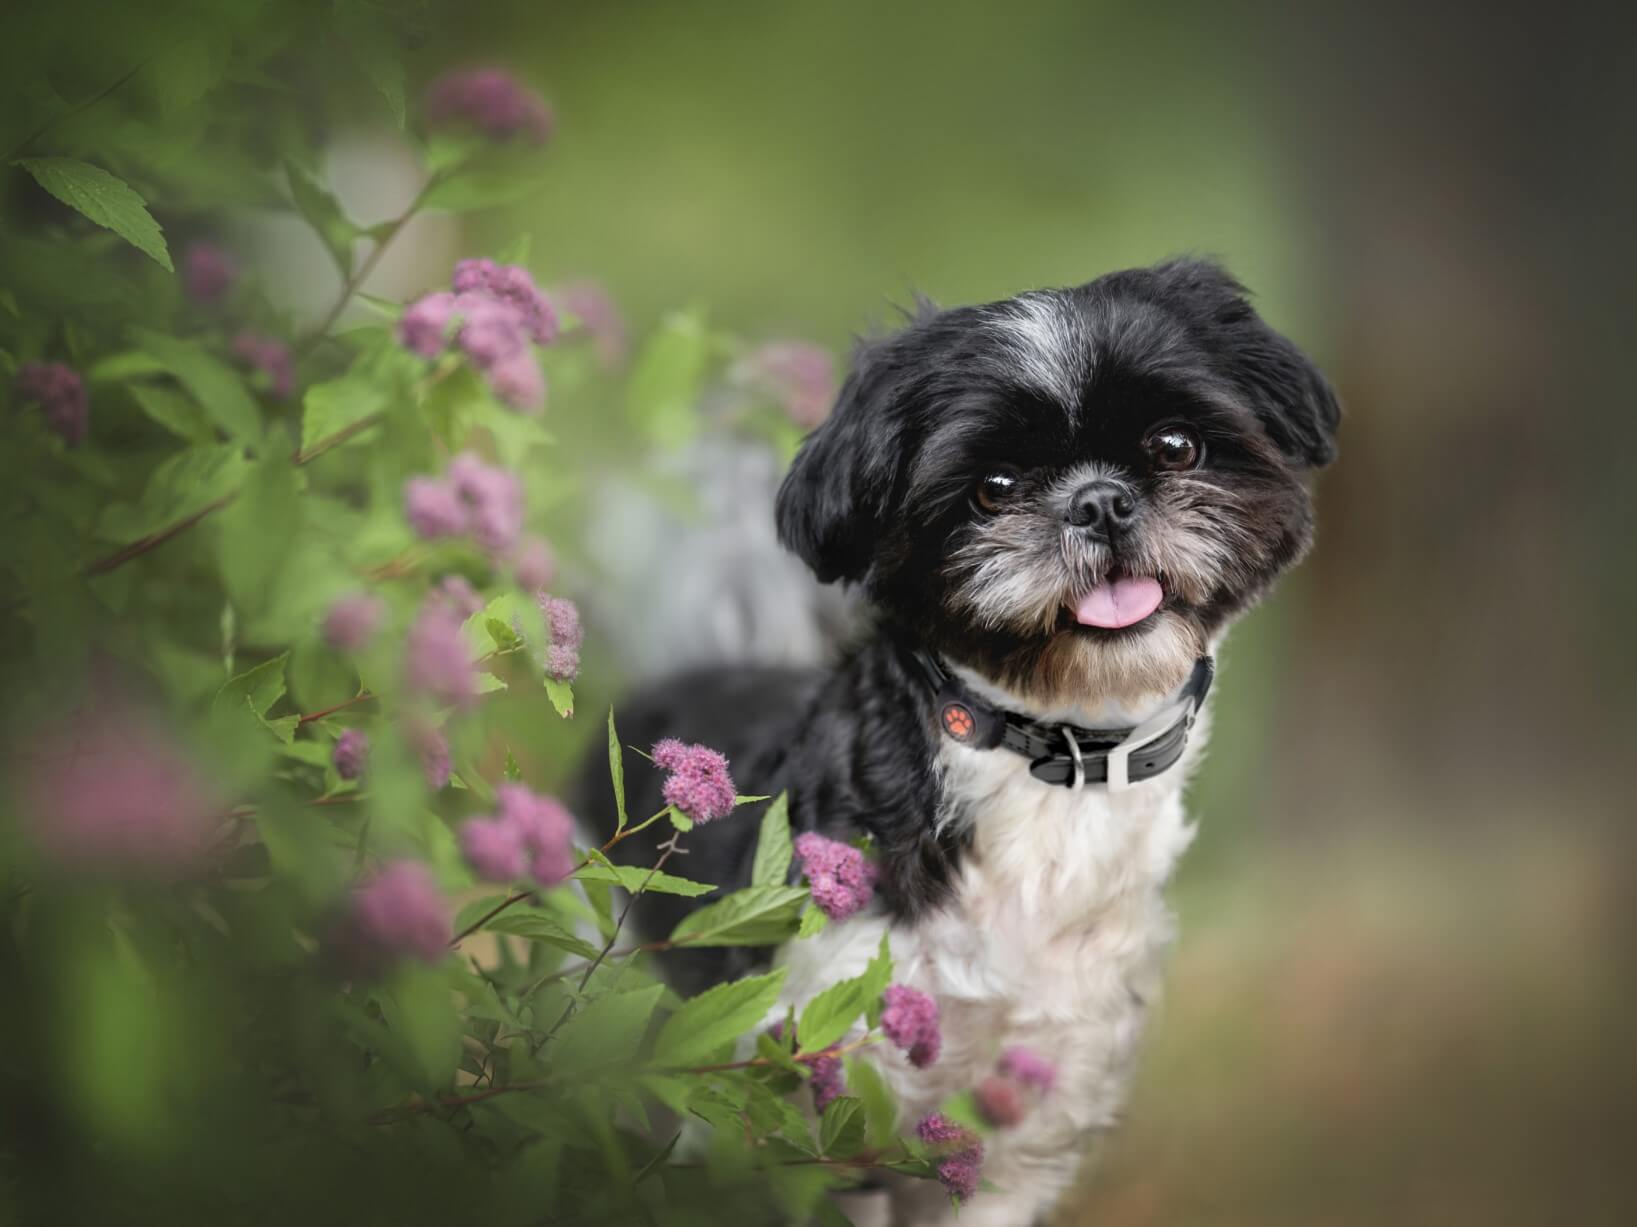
958 721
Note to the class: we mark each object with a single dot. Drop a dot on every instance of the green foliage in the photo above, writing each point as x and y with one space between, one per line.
219 1038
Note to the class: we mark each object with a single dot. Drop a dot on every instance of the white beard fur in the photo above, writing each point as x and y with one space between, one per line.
1054 938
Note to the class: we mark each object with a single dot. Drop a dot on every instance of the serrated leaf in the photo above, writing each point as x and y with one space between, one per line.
284 728
323 213
215 385
841 1128
635 878
755 916
504 638
263 686
257 529
538 927
185 483
716 1017
616 771
604 1034
773 847
829 1016
176 412
561 695
771 1050
105 199
813 921
663 391
876 977
864 1080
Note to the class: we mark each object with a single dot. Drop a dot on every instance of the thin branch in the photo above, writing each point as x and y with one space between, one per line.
153 540
303 456
362 697
72 111
487 917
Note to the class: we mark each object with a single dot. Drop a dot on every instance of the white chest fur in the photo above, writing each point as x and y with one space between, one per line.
1053 938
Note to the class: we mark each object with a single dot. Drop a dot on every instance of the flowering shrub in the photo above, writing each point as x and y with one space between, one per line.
290 699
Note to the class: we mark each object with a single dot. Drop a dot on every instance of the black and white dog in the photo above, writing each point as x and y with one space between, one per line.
1054 506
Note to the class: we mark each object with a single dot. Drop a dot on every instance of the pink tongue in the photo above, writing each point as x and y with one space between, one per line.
1119 602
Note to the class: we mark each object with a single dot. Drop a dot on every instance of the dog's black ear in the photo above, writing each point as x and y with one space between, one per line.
833 503
1292 400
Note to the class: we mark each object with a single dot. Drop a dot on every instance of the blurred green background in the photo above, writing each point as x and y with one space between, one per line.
1402 988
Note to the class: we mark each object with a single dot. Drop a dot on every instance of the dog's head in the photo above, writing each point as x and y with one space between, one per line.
1069 491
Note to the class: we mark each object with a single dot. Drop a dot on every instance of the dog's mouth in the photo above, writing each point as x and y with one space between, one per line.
1117 603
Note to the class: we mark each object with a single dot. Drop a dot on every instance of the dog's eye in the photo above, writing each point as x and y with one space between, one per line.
1173 448
996 490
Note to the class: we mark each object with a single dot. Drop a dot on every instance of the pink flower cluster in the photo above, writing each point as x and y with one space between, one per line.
799 375
841 877
457 592
530 834
1028 1068
208 272
351 753
60 393
565 635
496 313
437 661
432 748
829 1075
269 358
533 564
491 101
474 498
401 911
351 621
109 792
959 1154
910 1020
699 784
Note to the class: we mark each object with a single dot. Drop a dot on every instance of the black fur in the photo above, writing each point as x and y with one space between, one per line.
1052 385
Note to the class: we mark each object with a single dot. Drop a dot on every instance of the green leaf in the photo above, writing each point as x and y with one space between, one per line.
131 364
504 638
634 878
876 977
841 1129
770 1049
813 921
773 848
184 484
259 527
177 413
323 213
561 695
829 1016
488 180
658 1159
263 686
215 385
755 916
606 1033
108 201
716 1017
880 1107
536 926
679 820
616 771
664 388
511 770
420 1009
330 407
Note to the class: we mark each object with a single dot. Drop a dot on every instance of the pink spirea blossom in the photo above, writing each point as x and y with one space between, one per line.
494 849
829 1079
1028 1067
960 1170
491 101
269 357
566 634
698 784
599 316
547 830
424 326
351 753
999 1102
434 508
457 590
910 1020
533 564
401 911
493 498
437 661
431 746
110 792
519 382
799 375
351 621
841 877
208 272
60 393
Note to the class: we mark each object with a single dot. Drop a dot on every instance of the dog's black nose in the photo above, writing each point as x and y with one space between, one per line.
1102 507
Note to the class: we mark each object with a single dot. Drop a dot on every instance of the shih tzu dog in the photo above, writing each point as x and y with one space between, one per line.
1053 508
